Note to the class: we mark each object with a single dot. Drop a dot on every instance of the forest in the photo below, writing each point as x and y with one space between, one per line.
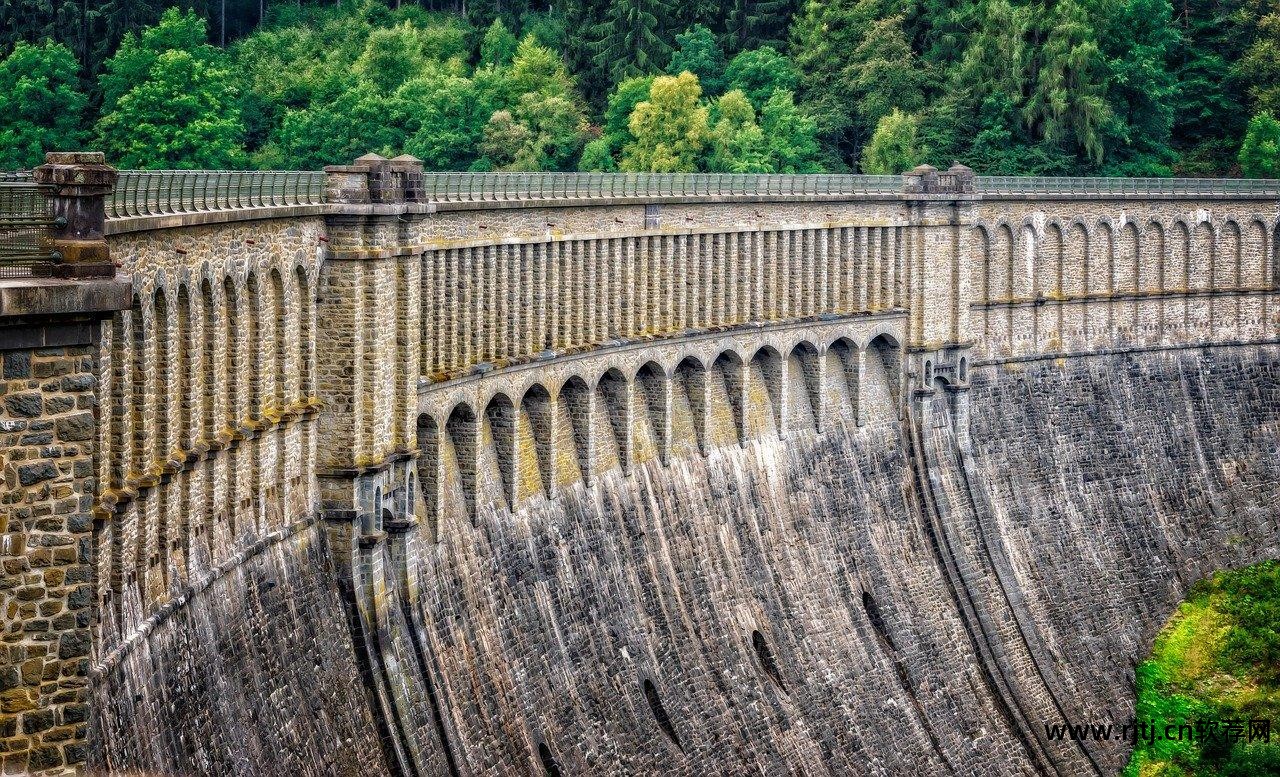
1012 87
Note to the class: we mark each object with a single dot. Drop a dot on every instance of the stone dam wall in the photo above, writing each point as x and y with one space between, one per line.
916 594
832 483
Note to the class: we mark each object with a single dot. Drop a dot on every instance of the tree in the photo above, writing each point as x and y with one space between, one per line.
670 128
751 24
759 73
498 46
597 157
445 117
699 53
617 115
630 39
336 132
894 147
1139 40
170 107
41 107
791 135
391 57
737 144
1260 153
1261 65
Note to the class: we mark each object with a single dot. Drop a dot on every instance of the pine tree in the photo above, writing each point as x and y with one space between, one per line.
631 39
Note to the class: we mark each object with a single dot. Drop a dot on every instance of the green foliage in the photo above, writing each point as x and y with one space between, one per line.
791 135
169 100
498 46
700 54
670 128
1216 660
1261 65
617 115
391 57
41 106
737 143
630 39
1260 152
759 73
597 157
895 145
447 115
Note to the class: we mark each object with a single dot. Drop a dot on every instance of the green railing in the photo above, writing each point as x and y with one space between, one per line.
167 192
26 219
506 187
1127 187
170 192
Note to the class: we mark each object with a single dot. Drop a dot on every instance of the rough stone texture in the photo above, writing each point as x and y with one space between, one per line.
47 425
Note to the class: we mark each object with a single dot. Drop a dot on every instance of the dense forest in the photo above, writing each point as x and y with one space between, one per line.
1046 87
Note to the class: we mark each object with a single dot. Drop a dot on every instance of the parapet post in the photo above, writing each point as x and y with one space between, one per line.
50 367
942 207
81 181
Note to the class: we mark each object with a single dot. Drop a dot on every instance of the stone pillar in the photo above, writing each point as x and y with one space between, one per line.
50 366
81 182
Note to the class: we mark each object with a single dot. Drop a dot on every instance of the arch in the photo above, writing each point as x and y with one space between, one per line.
804 388
208 350
882 378
253 347
690 388
1075 261
1003 263
537 411
429 471
184 371
651 384
986 283
370 519
1125 277
1100 260
613 395
1022 280
1178 269
121 353
231 353
162 374
1203 257
733 376
1048 271
279 344
766 369
306 336
844 370
1254 262
1151 260
500 417
1227 267
1272 280
576 398
463 431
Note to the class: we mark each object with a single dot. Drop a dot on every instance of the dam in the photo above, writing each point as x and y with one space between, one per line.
377 471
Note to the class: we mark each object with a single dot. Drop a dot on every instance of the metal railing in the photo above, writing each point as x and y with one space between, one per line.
26 220
1127 187
169 192
500 187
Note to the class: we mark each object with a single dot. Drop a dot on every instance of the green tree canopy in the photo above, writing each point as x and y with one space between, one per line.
758 73
894 147
391 57
791 135
630 39
41 106
670 128
700 54
1260 152
498 46
737 144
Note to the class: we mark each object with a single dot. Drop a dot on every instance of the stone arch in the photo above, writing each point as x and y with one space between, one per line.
651 383
279 341
689 390
844 377
1179 265
575 396
766 370
500 418
1100 259
1075 262
733 376
231 353
1227 266
537 416
804 387
1272 279
1048 271
1003 263
1125 277
209 320
1151 261
306 335
162 374
1254 260
882 378
463 431
985 283
613 397
1203 257
253 346
184 371
429 471
1022 281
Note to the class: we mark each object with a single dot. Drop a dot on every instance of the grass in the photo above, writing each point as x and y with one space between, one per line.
1217 659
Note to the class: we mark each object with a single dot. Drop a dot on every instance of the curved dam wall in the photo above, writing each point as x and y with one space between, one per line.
910 594
386 485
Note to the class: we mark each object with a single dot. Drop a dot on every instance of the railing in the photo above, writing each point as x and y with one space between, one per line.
502 187
169 192
1128 187
26 218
